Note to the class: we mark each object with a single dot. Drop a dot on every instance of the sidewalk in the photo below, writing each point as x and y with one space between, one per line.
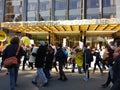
75 81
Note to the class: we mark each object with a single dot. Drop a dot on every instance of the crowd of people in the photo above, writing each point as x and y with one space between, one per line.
45 56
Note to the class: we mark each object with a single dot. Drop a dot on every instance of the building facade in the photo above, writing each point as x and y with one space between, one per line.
38 10
53 10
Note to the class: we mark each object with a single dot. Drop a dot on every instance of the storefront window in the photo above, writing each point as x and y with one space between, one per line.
13 10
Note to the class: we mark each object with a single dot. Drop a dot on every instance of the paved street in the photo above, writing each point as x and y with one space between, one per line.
75 81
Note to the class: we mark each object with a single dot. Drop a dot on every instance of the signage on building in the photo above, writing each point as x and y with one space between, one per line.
62 23
3 36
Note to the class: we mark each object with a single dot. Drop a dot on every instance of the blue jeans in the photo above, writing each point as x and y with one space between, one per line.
41 74
73 67
13 73
79 70
47 73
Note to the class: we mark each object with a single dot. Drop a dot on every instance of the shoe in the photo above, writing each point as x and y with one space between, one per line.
7 73
59 78
65 79
45 84
16 85
104 85
33 82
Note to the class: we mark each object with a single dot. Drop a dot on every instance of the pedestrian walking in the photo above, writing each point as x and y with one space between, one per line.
61 58
39 64
8 52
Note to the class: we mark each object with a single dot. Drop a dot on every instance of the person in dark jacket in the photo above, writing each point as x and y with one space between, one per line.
61 58
39 64
49 61
88 58
10 51
97 61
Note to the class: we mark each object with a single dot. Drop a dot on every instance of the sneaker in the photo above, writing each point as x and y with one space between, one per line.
65 79
33 82
7 73
104 85
16 85
60 79
45 84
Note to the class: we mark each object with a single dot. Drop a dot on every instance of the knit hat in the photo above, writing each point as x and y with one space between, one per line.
42 43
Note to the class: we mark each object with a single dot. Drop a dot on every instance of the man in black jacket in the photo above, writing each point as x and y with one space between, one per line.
39 64
61 58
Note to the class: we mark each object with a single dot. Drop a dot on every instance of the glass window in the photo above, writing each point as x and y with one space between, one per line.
108 3
44 10
44 5
32 6
59 17
109 15
74 9
92 3
60 4
60 9
92 16
32 10
13 10
74 4
74 17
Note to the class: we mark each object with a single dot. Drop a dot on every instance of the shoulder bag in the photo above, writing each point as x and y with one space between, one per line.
11 61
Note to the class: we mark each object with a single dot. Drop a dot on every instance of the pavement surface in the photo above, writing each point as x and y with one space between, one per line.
75 81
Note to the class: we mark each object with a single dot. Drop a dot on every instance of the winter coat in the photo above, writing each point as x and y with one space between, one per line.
11 50
40 56
33 55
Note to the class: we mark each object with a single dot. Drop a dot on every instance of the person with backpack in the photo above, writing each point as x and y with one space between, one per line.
61 58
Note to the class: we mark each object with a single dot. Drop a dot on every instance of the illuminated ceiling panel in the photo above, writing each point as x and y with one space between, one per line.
75 28
101 27
92 27
110 27
116 28
60 28
67 28
84 27
64 26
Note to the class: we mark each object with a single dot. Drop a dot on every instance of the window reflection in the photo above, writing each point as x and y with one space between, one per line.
92 16
13 10
108 3
74 9
60 9
32 10
109 9
44 10
93 3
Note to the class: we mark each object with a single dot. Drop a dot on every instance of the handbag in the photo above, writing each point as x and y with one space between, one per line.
11 61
